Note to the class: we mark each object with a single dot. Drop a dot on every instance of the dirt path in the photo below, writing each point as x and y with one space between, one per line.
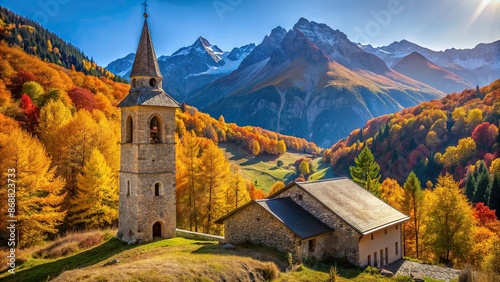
404 267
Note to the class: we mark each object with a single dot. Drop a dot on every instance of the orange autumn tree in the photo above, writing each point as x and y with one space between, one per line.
39 192
392 193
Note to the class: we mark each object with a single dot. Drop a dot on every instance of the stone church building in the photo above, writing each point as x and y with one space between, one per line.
325 218
147 165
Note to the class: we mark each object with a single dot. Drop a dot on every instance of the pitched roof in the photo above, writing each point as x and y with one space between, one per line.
356 206
145 62
293 216
148 97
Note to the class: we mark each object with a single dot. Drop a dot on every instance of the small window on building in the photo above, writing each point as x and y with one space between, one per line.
312 245
300 197
369 260
152 82
397 248
385 231
157 189
129 134
397 226
155 128
375 259
128 188
133 83
371 236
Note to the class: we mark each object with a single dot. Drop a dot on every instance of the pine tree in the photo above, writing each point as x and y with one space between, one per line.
96 204
494 195
412 205
483 183
471 186
366 171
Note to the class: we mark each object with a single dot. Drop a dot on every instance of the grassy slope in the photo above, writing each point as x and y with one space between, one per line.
264 170
177 259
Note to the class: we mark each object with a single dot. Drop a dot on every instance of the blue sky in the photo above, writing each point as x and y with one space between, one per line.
107 30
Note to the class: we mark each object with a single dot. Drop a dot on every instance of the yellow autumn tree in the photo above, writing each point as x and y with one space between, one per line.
188 184
214 170
392 193
276 187
237 193
53 117
449 223
96 204
83 133
39 192
412 205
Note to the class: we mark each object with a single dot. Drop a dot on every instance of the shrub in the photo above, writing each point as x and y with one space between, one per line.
310 261
279 163
372 270
90 241
289 259
333 275
270 271
465 275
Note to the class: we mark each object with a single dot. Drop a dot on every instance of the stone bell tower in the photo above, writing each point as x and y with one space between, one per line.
147 162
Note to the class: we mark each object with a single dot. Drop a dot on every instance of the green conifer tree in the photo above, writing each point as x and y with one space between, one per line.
494 195
483 183
471 186
366 171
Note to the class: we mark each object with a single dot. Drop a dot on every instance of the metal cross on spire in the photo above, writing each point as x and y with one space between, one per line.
145 4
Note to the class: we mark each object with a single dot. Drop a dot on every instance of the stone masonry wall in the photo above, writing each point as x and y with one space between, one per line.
254 224
343 241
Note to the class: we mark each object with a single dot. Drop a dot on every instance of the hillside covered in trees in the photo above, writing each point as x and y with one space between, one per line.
457 135
36 40
438 163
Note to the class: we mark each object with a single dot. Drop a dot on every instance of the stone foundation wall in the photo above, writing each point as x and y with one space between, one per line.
254 224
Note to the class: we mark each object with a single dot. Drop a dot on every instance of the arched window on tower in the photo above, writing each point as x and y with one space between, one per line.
157 189
129 135
128 188
155 131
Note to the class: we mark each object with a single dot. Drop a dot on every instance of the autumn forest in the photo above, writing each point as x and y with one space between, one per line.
438 162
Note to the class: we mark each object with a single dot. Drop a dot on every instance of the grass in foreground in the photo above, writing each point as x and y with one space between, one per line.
180 259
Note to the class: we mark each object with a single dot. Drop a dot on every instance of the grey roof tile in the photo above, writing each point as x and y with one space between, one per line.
148 97
145 62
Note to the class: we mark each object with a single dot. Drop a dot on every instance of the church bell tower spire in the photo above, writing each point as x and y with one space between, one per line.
147 160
